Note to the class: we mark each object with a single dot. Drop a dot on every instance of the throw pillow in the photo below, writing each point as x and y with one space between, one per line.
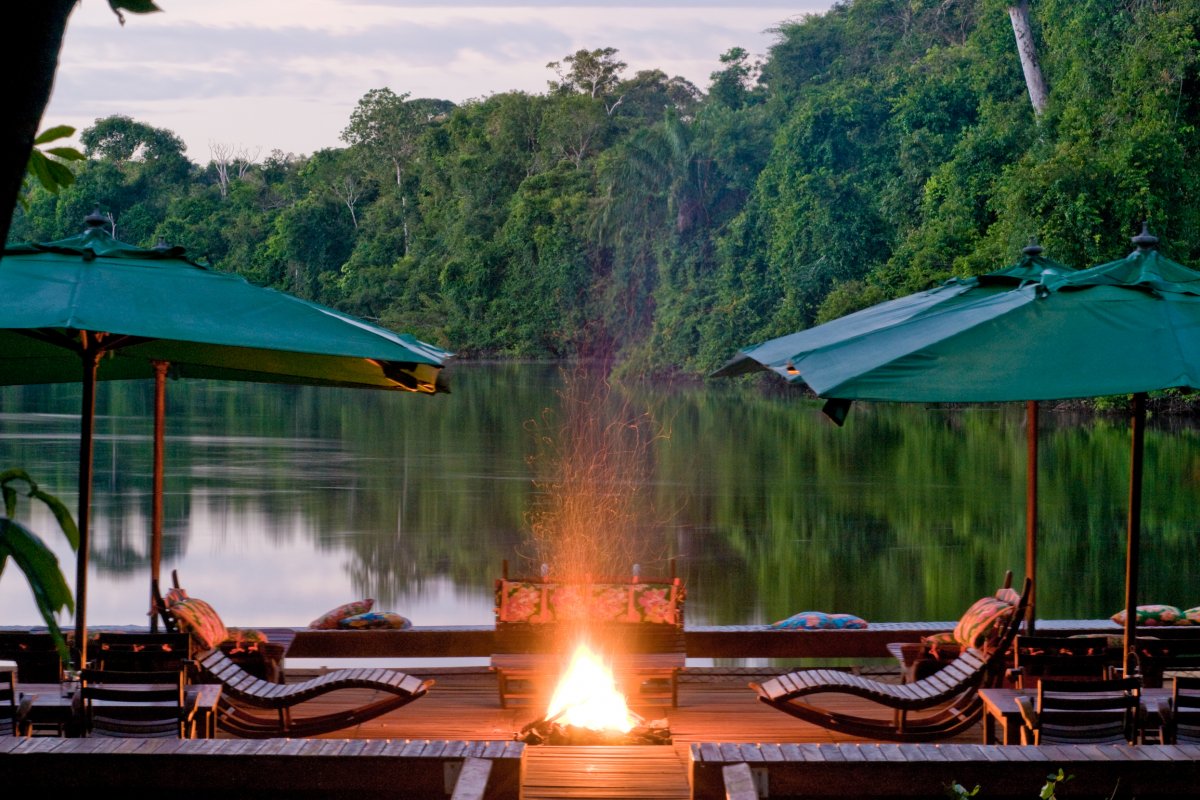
196 617
244 640
982 622
939 639
819 620
330 619
1192 616
805 620
371 620
1151 615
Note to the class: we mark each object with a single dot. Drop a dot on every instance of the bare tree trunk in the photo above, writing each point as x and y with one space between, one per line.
1038 93
30 41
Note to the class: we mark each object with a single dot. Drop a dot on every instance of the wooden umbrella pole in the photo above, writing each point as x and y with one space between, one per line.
1134 530
90 358
156 501
1031 509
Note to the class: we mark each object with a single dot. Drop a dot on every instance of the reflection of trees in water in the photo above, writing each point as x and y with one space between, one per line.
905 513
909 513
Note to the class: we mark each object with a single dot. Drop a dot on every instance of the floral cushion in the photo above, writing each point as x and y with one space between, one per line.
982 622
525 601
940 646
939 639
1152 615
330 619
371 620
196 617
819 620
243 640
1190 617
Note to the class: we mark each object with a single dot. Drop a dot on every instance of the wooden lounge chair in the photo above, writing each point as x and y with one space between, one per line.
936 707
254 708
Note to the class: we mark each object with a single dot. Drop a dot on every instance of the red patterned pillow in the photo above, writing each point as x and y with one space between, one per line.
1152 615
330 619
983 622
196 617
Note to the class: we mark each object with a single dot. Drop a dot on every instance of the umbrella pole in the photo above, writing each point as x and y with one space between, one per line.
90 359
156 501
1031 509
1133 533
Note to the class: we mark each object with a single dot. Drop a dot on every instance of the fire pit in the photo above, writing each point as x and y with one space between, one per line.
588 709
548 731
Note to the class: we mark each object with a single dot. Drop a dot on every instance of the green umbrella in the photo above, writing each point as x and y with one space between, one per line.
91 308
870 327
1127 327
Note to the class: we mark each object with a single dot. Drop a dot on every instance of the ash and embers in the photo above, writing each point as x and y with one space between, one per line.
550 732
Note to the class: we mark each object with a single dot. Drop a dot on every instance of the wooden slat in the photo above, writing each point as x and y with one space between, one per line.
472 780
739 783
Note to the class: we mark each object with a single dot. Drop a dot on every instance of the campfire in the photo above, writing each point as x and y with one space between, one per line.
588 709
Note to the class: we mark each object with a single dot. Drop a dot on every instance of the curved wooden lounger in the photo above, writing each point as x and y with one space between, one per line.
242 693
936 707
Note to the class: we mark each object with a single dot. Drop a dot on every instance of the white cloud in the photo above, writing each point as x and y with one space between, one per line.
286 74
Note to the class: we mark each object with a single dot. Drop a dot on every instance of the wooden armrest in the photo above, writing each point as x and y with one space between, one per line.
1029 715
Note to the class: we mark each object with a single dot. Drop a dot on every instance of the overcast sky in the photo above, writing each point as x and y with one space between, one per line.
287 73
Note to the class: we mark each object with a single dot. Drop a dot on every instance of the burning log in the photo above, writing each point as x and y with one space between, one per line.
550 732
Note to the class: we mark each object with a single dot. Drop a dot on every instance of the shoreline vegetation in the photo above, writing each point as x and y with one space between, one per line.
877 149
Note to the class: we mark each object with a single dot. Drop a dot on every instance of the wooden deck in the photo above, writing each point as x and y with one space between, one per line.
714 705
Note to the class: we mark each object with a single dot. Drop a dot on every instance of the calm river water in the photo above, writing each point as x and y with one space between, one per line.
282 502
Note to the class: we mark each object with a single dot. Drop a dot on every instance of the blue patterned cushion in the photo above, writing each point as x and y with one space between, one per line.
819 620
375 619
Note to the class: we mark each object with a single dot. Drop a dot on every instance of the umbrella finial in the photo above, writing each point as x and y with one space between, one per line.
95 219
1145 240
1033 248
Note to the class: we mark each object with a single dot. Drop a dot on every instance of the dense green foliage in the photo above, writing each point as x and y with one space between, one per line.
879 148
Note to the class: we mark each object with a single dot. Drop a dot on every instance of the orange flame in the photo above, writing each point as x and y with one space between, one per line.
587 696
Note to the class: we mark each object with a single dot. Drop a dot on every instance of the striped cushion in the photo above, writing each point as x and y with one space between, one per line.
983 622
198 618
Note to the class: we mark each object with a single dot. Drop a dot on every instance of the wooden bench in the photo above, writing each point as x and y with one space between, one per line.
361 769
636 623
925 770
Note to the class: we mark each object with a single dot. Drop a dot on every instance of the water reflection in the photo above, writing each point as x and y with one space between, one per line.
282 502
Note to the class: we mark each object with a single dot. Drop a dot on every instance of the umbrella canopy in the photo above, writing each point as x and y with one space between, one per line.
826 356
91 308
1129 326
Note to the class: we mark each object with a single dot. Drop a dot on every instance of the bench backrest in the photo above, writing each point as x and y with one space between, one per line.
535 602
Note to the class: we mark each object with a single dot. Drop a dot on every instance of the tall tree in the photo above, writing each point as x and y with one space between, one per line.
1039 95
596 73
386 128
